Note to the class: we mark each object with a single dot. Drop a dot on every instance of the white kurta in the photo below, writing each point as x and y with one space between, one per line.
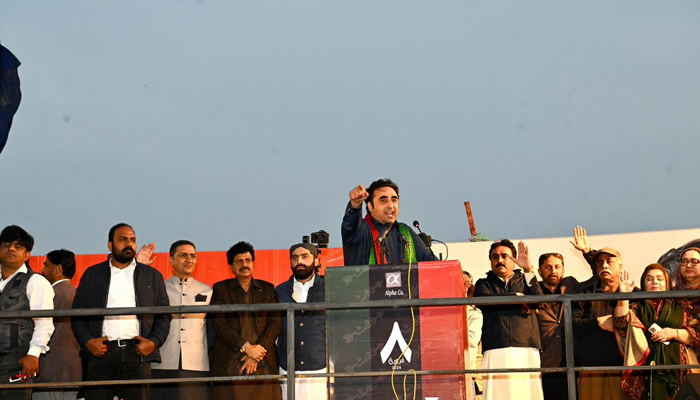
516 386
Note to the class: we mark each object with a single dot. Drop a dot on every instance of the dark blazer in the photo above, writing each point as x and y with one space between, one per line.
309 328
593 345
550 318
150 291
228 341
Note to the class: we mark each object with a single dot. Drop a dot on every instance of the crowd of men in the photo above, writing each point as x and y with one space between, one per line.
249 343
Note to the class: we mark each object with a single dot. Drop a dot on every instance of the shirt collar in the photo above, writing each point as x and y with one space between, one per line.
59 281
308 284
22 269
131 265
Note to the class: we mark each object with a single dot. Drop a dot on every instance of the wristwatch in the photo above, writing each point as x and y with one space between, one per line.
244 346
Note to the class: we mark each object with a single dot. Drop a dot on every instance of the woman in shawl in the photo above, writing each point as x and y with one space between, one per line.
674 341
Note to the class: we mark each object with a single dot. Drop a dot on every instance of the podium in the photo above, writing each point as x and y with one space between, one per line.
381 339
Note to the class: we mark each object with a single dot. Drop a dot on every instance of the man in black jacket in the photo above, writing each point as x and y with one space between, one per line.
120 347
595 343
510 337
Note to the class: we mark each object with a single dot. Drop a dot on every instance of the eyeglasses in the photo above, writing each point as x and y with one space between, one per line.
692 261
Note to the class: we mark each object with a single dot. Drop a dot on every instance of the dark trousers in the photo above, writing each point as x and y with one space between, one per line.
554 385
182 390
118 363
9 365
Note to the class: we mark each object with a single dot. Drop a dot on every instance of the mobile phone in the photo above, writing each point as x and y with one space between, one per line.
655 328
17 376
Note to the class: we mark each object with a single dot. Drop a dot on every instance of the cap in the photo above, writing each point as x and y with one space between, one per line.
607 250
308 246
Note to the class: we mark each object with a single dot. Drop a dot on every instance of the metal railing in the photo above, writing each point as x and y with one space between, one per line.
291 308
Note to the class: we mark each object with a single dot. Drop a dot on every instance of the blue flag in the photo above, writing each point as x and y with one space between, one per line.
10 95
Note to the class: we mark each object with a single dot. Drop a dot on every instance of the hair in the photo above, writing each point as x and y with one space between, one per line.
505 243
175 245
14 233
652 267
239 248
544 257
64 258
113 229
687 250
472 287
378 184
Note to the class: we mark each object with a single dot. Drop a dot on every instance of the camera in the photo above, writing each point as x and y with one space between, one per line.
320 239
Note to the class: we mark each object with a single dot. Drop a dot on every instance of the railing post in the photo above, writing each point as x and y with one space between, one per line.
569 343
291 344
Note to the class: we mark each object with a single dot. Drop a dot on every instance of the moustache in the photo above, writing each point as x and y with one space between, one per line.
244 269
500 265
128 248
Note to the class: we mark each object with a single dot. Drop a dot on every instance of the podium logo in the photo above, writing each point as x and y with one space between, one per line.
396 338
393 279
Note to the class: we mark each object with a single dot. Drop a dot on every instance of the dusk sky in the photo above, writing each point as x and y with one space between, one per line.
219 121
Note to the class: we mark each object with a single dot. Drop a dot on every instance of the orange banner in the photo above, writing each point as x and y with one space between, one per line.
270 265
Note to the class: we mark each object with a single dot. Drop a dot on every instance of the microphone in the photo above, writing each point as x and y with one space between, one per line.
405 245
379 240
386 232
416 224
427 239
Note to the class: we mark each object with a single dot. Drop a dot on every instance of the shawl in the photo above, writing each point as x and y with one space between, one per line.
634 341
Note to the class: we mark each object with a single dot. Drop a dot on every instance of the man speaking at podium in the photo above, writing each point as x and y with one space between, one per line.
378 238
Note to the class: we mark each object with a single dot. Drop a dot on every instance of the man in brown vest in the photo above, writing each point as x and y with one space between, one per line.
62 363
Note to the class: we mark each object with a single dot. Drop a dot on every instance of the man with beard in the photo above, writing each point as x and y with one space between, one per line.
120 346
549 319
304 286
510 337
378 238
595 343
22 340
245 341
185 352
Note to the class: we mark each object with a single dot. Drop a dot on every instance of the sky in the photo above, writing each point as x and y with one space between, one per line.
219 121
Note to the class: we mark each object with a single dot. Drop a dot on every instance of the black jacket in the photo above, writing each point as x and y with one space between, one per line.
309 328
509 325
594 346
150 291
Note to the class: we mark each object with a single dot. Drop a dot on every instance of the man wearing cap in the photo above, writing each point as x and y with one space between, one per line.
595 343
378 238
120 346
304 286
185 352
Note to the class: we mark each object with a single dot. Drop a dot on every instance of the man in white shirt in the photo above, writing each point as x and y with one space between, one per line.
22 340
122 346
185 352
